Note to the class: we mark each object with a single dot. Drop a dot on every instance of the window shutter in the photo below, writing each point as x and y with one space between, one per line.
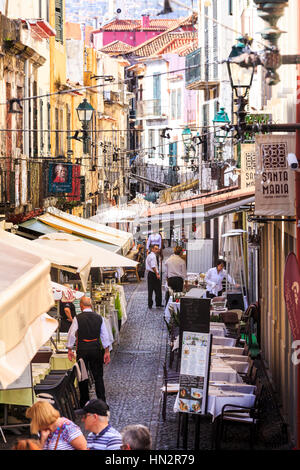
178 104
59 20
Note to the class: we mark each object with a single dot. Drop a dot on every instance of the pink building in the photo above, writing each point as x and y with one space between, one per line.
135 32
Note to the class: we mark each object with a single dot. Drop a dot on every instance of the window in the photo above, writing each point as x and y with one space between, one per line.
157 94
173 104
41 124
69 145
56 133
151 140
49 125
179 104
59 21
176 96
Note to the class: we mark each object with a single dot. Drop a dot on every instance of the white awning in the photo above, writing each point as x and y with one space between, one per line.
25 294
87 228
57 257
70 244
13 364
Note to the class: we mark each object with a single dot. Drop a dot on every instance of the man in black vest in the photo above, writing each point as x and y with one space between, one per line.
92 345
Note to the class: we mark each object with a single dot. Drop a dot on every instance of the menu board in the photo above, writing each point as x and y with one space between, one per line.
194 372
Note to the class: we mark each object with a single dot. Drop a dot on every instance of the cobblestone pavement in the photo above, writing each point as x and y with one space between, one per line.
134 377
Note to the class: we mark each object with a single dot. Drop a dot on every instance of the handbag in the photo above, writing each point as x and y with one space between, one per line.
60 431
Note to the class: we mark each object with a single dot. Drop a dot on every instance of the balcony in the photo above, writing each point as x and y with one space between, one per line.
196 77
150 109
111 97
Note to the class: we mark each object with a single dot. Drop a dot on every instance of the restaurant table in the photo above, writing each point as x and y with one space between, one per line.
217 398
25 396
223 341
233 387
240 366
221 371
231 357
220 349
217 329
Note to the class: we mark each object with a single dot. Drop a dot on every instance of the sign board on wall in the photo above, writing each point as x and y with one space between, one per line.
248 166
60 177
274 180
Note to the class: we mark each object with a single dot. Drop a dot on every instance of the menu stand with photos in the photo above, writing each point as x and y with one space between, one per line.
194 379
23 382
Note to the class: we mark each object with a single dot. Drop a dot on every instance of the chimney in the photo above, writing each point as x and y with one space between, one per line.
145 21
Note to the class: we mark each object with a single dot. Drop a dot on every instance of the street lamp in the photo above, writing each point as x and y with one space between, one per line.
221 123
187 141
241 75
85 113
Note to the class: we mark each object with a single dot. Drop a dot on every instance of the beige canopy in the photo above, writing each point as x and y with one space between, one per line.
87 228
58 258
101 258
25 294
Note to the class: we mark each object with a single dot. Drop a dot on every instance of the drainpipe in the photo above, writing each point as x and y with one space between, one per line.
298 206
26 109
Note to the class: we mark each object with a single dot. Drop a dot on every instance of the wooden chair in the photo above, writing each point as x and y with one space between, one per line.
248 416
231 321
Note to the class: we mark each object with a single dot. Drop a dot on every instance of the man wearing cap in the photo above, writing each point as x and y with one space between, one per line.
90 331
102 436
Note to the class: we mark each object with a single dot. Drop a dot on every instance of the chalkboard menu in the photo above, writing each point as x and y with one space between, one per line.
194 316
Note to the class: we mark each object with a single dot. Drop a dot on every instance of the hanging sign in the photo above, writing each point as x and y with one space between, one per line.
60 178
292 294
274 180
194 373
248 166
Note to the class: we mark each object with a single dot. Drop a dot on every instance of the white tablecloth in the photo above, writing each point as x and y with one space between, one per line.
221 340
226 374
218 398
239 366
220 349
176 307
233 387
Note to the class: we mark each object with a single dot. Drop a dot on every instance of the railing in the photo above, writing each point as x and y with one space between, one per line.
148 108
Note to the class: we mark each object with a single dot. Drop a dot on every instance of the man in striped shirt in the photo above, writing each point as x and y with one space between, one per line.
102 436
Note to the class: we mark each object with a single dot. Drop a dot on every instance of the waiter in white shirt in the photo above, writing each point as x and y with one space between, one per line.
214 278
153 277
175 271
154 239
92 345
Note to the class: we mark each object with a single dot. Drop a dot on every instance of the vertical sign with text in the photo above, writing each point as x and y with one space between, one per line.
248 166
194 372
274 180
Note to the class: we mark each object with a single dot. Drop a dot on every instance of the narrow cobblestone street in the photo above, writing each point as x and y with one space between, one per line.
134 376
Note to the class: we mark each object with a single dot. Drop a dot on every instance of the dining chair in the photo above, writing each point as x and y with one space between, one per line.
247 375
170 378
235 414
